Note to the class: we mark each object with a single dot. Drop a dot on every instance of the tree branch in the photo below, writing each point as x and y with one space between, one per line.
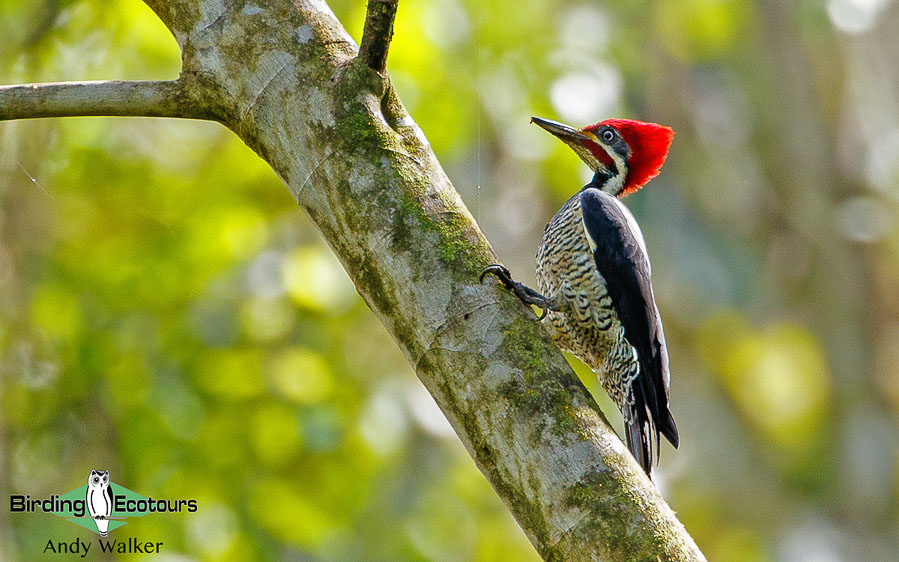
100 98
377 33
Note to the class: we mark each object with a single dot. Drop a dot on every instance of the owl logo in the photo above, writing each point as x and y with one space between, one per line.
99 499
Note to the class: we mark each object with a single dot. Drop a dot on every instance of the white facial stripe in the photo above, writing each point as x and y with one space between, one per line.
616 183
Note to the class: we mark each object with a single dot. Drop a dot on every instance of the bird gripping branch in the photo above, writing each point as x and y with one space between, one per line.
593 277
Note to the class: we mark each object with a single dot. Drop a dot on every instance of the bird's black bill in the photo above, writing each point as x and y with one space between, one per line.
561 130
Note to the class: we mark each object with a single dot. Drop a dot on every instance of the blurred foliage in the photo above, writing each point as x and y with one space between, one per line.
163 300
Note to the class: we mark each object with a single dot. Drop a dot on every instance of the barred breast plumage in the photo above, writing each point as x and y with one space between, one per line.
588 326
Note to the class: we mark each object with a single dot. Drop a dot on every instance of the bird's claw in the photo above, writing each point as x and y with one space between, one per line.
524 294
500 271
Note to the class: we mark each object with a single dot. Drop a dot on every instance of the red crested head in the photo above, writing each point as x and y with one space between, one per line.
647 144
622 153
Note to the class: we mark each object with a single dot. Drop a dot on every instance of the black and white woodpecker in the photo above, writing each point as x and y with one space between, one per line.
593 277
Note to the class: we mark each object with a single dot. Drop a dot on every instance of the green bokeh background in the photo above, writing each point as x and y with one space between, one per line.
168 313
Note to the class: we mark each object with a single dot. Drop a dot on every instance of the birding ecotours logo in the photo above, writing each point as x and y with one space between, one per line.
100 505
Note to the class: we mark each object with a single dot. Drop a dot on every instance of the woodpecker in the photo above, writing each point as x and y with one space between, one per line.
593 277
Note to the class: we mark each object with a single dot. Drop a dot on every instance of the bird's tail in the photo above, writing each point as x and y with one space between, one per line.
638 432
669 428
646 415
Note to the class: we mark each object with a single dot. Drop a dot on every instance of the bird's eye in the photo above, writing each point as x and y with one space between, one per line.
96 480
608 135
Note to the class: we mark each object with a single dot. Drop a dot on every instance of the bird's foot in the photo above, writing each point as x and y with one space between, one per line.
524 293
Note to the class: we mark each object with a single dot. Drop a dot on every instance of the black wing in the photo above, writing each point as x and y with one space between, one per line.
109 506
623 264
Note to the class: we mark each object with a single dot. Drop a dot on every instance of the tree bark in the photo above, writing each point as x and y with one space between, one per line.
285 77
106 97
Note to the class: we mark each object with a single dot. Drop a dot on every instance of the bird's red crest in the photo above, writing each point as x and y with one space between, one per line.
649 143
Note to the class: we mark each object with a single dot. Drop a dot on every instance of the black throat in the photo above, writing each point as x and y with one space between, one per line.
600 178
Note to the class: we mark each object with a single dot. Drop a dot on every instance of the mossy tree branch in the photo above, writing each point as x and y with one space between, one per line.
377 33
286 78
109 98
